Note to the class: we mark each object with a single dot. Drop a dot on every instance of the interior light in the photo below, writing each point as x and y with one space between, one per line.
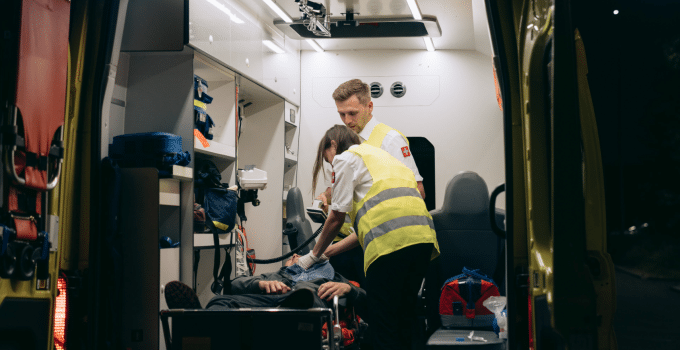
616 12
428 43
413 5
270 44
224 9
279 11
314 45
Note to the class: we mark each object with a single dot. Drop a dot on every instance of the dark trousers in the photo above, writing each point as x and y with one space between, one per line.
392 284
350 264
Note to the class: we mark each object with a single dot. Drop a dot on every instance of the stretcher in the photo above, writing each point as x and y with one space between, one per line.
252 328
34 71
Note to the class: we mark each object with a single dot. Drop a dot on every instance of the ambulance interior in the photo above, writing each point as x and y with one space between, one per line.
430 68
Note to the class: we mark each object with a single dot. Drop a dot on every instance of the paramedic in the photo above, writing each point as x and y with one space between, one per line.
391 224
290 286
353 102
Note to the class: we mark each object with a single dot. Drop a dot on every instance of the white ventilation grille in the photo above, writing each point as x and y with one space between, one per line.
376 90
398 89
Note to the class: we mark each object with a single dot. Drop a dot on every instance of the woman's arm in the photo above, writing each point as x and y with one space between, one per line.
331 228
346 244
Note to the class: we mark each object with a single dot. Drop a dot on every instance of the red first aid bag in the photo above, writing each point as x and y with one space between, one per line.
460 303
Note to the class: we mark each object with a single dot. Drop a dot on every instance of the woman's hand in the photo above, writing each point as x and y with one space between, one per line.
273 287
330 289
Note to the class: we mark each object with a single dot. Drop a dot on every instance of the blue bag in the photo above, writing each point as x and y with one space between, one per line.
220 209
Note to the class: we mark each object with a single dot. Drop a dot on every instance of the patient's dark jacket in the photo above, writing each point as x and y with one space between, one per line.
247 293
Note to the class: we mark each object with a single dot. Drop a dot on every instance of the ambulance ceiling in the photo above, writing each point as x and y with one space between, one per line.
451 24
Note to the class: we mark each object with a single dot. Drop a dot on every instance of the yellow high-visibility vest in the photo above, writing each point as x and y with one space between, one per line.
378 135
345 230
392 215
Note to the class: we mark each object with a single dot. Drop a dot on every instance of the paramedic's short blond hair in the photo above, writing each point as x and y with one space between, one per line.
353 87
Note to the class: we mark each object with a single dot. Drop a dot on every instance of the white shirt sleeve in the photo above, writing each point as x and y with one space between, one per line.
327 171
394 144
343 186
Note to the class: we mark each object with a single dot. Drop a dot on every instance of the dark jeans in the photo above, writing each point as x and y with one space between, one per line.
392 284
350 265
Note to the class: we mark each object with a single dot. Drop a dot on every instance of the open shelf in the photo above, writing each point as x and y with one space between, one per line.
206 239
168 193
215 149
290 159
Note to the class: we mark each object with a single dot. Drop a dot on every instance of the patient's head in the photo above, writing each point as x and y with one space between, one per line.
293 260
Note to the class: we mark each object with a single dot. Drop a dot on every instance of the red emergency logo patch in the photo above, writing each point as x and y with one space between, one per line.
405 151
333 177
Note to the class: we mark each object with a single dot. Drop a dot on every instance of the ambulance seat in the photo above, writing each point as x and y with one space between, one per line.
465 240
296 219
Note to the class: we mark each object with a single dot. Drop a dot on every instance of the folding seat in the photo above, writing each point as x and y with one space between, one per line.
466 240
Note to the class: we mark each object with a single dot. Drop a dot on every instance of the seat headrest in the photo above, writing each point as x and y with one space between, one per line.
466 194
295 206
466 204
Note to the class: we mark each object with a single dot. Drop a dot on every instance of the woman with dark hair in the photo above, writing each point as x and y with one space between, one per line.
391 224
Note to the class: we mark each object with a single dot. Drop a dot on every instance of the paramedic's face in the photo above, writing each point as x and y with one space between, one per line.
354 114
293 260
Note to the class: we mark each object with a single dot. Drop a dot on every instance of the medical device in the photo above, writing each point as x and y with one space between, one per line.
316 213
315 17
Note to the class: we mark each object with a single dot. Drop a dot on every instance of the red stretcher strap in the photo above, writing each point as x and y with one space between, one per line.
25 227
42 78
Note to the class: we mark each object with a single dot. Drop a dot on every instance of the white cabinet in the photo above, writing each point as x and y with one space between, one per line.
227 32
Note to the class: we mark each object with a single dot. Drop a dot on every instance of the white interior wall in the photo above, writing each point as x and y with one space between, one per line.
458 113
261 144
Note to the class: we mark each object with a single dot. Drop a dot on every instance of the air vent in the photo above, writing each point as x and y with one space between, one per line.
398 89
376 90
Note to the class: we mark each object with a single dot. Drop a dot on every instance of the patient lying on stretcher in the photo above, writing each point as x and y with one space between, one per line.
290 286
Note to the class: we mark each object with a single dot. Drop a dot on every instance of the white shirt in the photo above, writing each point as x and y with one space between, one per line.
352 181
393 143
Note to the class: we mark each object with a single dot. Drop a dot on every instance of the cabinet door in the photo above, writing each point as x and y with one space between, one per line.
210 28
246 52
155 25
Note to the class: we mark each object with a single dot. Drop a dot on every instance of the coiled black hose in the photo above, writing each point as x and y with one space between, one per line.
289 254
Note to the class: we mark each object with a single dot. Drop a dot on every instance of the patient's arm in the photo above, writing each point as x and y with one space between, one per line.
251 284
355 295
273 287
330 289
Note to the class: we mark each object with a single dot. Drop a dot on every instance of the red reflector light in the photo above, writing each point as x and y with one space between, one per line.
531 328
60 312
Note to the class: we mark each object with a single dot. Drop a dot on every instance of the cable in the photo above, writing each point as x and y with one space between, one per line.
289 254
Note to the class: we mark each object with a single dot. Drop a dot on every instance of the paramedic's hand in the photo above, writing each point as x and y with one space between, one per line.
308 260
330 289
273 287
325 198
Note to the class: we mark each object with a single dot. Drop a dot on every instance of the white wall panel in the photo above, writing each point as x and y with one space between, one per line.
463 120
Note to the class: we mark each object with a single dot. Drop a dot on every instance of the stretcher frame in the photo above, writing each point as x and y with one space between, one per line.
309 321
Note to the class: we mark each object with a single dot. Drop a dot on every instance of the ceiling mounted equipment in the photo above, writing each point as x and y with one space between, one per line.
316 22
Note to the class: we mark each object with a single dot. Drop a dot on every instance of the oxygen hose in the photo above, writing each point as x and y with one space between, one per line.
289 254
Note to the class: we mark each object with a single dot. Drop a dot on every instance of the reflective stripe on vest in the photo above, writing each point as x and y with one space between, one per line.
392 215
378 135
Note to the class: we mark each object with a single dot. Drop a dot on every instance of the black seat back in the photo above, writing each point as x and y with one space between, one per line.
464 235
297 217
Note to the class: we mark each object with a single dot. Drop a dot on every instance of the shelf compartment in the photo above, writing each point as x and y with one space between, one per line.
215 149
206 239
168 193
